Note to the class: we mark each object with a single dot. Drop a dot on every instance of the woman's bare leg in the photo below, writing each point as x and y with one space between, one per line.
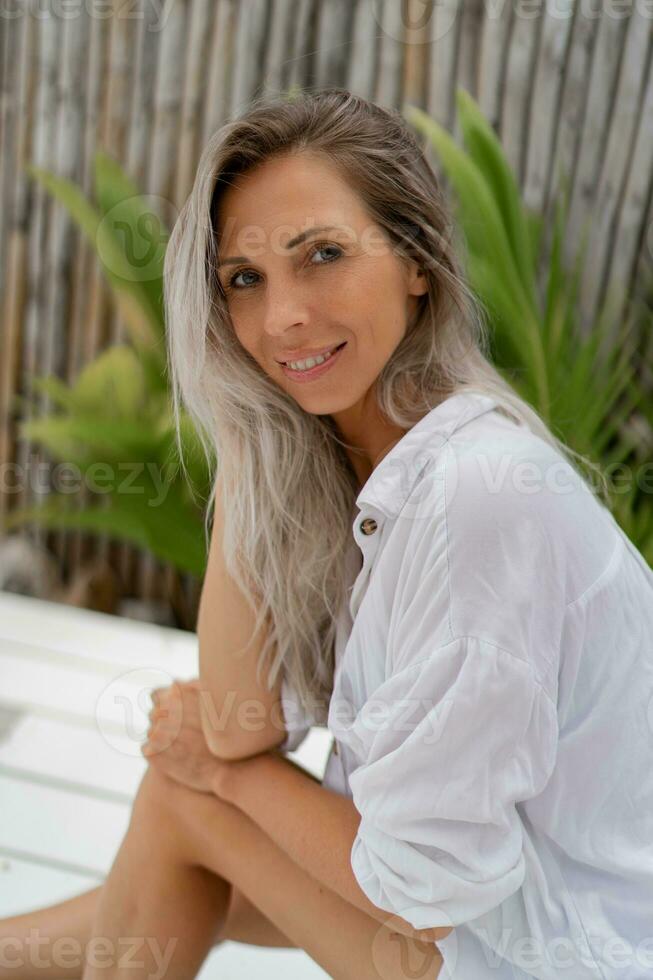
344 940
70 918
199 833
189 903
157 915
73 920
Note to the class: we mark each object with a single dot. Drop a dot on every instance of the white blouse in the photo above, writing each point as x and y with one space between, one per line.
492 708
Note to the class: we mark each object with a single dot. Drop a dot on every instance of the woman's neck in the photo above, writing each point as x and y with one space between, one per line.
369 435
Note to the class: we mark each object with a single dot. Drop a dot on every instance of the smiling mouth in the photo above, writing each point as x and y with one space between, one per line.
333 351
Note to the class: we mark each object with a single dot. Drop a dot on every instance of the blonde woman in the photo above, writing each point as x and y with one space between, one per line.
402 551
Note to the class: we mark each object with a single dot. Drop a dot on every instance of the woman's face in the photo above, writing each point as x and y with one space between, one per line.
340 284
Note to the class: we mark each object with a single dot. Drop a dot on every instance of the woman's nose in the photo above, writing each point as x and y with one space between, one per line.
285 314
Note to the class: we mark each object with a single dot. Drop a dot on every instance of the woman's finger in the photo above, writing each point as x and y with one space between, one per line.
157 692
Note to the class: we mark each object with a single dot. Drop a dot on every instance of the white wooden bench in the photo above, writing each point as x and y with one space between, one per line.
73 711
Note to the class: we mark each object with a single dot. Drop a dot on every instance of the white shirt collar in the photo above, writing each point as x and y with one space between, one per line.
389 485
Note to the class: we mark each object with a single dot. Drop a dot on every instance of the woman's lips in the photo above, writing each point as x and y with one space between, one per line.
314 372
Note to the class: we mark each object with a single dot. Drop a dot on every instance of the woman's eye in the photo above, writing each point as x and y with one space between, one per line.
324 248
236 275
231 284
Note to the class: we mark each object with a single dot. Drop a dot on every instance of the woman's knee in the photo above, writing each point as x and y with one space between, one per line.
153 787
170 815
156 804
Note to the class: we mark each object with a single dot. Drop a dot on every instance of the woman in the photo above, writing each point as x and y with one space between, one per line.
422 568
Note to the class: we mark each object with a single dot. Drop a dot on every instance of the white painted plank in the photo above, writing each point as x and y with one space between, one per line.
119 704
27 885
95 635
238 961
52 752
38 654
115 706
71 764
48 824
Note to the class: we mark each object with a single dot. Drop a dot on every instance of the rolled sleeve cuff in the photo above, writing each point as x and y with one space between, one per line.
409 882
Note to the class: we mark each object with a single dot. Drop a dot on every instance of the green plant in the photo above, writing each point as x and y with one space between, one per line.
585 387
118 411
115 425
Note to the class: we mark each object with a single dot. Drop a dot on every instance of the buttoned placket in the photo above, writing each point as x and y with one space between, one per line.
367 534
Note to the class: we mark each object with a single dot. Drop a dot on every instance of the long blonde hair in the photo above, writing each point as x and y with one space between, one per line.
287 486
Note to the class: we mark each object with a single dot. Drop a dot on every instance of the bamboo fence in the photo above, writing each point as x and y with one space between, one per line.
567 86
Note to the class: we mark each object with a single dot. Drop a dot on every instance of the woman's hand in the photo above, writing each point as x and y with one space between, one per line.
176 743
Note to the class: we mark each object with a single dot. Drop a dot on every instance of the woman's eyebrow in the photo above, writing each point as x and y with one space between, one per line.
233 259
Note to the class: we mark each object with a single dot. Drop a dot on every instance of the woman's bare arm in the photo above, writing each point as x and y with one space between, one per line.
314 825
240 717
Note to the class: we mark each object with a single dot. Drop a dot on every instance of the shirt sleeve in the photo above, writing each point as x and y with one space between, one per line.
451 744
298 722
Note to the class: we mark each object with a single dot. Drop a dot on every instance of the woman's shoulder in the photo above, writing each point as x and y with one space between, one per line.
495 466
506 519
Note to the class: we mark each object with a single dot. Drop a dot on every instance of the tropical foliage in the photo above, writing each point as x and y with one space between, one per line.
115 423
118 412
584 383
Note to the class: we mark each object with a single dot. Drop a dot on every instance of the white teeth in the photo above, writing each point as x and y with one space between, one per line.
310 362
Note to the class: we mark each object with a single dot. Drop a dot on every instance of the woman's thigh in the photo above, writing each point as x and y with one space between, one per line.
341 938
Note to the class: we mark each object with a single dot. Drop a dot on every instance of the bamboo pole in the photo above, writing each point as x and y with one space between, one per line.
616 161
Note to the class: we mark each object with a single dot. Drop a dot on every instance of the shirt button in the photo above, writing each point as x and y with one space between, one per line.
368 526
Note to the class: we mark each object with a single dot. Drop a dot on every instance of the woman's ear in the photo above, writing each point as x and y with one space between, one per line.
417 282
